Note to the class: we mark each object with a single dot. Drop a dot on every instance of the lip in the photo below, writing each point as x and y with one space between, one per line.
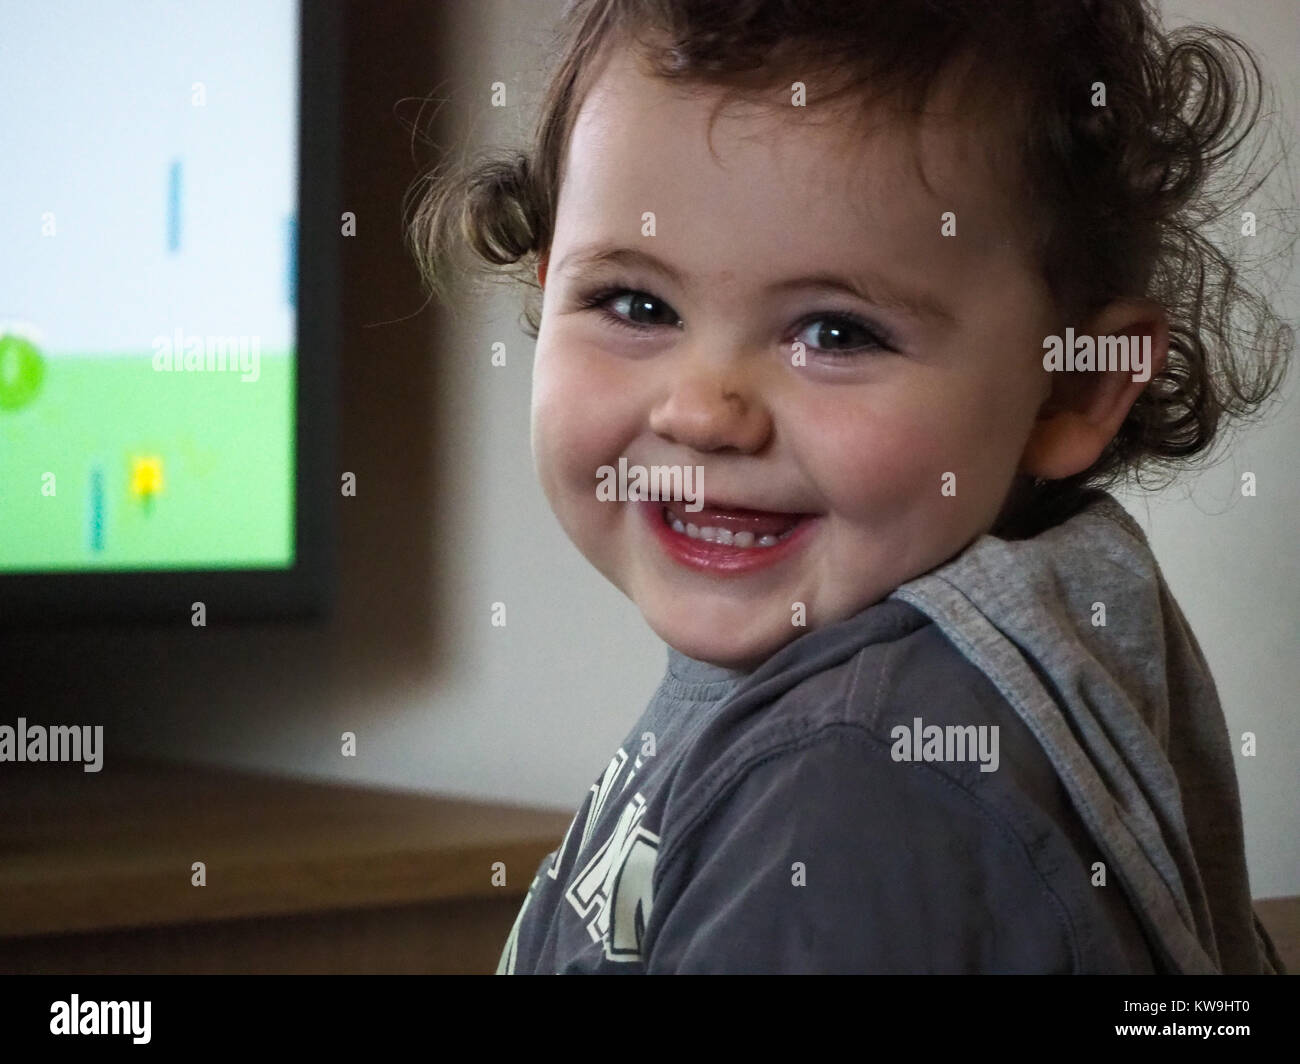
718 558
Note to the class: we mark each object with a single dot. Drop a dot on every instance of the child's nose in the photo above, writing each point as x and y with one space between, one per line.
707 412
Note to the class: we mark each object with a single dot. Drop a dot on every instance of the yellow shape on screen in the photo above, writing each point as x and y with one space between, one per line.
146 476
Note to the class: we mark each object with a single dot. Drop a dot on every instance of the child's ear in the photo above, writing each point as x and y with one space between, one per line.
1086 408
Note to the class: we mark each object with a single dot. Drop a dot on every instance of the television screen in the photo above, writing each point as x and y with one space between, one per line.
149 238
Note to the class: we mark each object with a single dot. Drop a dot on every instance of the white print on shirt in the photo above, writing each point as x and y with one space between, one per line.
613 892
600 794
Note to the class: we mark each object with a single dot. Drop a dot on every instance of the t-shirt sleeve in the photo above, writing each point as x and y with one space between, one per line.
830 857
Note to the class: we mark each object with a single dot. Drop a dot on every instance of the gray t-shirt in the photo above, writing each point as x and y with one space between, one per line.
781 836
899 792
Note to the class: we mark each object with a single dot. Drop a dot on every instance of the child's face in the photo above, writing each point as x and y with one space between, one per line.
860 438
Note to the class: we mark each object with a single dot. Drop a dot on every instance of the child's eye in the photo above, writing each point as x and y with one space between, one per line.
837 334
638 304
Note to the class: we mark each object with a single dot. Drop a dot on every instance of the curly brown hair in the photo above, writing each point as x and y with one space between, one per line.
1123 198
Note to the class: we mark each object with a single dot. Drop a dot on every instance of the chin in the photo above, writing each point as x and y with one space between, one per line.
745 652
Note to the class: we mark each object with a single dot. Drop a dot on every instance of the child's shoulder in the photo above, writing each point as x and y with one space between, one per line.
900 788
900 694
846 688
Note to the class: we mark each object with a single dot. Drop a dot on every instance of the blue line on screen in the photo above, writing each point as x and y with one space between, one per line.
97 509
293 260
174 208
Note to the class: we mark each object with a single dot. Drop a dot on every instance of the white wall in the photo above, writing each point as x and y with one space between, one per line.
1234 563
532 712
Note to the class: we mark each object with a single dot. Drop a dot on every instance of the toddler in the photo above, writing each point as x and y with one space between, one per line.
869 304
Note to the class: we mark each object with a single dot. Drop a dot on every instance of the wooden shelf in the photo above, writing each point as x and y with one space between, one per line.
94 852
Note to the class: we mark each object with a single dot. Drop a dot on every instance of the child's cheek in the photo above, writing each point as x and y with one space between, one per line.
579 423
882 458
907 467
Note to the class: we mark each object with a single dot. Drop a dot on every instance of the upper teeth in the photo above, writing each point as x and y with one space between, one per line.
725 535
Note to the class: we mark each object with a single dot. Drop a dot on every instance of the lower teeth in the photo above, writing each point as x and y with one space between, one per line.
744 540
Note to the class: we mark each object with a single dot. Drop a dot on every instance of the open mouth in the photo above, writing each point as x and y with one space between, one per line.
743 529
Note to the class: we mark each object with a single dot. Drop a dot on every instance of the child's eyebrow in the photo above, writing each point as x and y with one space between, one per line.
873 289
